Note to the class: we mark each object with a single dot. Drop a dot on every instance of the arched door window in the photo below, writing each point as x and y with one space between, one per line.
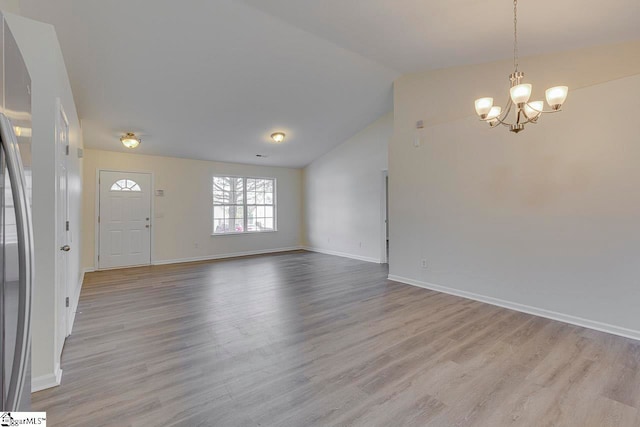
125 185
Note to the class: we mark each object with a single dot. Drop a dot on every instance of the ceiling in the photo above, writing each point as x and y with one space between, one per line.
212 79
415 35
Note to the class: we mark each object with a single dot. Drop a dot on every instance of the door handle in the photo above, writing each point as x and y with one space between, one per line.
65 248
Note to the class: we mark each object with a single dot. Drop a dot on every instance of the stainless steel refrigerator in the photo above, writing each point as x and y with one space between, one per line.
16 231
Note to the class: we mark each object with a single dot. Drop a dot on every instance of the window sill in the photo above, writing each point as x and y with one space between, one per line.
243 233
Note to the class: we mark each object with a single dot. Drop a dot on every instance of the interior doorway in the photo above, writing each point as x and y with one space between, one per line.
124 219
63 240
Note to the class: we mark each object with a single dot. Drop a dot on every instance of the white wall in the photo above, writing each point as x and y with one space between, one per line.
344 195
183 217
12 6
544 221
39 46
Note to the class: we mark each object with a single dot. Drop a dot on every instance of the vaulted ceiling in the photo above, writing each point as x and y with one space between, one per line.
212 79
416 35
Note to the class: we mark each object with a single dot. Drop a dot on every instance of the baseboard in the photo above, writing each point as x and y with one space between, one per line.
341 254
224 256
75 298
44 382
541 312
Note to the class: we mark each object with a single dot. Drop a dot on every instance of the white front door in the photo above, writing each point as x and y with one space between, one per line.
125 219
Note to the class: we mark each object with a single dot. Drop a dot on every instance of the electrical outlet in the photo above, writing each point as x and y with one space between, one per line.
196 246
424 263
360 244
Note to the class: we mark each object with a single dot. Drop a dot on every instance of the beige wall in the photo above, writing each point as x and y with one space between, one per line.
344 195
182 222
546 220
12 6
447 94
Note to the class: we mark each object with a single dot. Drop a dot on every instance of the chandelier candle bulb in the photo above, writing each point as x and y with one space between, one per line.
483 106
556 96
533 109
494 113
521 93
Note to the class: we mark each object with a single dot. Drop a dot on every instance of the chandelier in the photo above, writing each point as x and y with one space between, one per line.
524 111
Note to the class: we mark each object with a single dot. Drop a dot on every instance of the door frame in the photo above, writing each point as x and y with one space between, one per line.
62 288
384 214
96 226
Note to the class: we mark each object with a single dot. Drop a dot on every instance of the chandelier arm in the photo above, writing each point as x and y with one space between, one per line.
501 121
504 115
510 105
542 111
528 119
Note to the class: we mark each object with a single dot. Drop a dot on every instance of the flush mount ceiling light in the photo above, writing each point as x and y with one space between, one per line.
130 140
524 111
278 137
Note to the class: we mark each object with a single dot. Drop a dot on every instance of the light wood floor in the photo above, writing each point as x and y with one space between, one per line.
303 339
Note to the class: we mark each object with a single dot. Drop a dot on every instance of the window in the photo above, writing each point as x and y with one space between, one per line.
125 185
243 205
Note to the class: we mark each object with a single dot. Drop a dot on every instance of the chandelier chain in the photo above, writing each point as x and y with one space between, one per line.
515 34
